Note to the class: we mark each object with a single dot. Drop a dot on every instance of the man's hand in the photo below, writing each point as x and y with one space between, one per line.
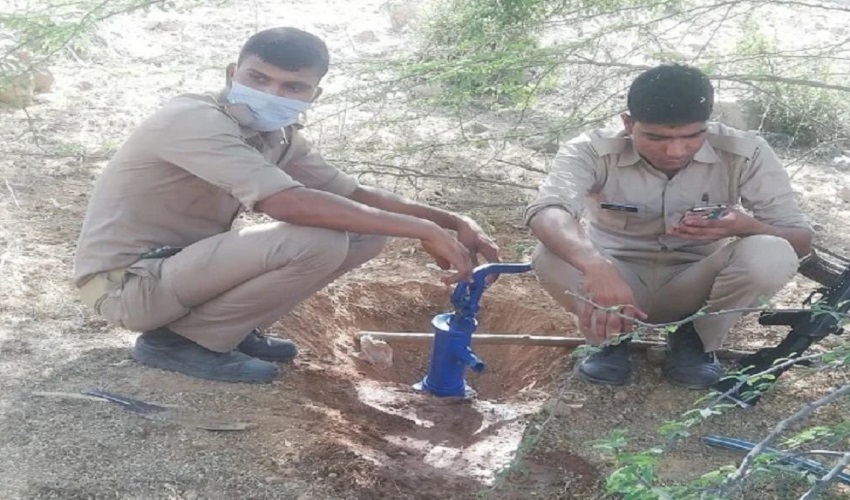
470 235
604 285
732 223
447 253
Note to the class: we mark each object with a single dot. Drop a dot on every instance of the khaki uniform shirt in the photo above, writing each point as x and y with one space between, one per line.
184 175
602 167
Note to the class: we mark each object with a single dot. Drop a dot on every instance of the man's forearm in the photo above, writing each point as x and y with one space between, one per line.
308 207
800 239
385 200
563 235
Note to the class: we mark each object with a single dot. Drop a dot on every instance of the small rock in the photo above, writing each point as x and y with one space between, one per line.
274 479
562 408
818 227
19 92
426 91
376 352
138 432
475 127
401 14
843 160
169 25
656 355
621 396
844 193
42 81
367 36
542 144
402 454
84 85
333 475
190 495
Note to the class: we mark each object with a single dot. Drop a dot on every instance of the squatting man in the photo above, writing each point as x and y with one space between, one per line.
667 200
157 253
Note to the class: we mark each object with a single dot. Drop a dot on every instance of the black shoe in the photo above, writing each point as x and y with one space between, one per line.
260 346
609 366
687 363
164 349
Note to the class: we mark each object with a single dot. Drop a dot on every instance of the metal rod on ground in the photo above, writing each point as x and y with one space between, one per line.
536 340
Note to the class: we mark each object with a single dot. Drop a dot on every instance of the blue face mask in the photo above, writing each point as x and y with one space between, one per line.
270 112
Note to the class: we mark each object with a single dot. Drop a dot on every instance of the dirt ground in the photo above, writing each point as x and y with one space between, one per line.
333 426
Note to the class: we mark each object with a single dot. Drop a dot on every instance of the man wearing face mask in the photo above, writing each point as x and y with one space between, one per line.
669 233
157 253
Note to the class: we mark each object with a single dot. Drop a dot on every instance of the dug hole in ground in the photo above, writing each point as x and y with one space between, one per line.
419 442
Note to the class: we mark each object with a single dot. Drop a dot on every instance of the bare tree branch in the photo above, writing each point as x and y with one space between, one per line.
823 482
744 469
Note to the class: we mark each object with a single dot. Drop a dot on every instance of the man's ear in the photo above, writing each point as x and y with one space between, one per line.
317 94
628 122
228 73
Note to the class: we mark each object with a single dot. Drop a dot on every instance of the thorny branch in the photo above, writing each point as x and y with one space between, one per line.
744 469
823 482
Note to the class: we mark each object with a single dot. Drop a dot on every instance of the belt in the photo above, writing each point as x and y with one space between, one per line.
95 289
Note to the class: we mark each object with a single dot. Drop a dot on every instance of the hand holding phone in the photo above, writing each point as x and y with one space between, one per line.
709 212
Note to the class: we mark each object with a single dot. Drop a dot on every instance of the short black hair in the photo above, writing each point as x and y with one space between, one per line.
671 94
288 48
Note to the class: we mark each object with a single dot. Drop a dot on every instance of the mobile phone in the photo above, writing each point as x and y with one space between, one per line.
711 212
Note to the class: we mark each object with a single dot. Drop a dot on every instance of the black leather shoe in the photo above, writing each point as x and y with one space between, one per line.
687 363
260 346
164 349
609 366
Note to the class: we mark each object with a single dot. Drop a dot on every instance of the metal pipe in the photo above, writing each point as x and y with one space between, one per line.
534 340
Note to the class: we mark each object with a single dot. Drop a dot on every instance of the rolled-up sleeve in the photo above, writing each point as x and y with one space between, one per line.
304 164
766 190
573 175
207 143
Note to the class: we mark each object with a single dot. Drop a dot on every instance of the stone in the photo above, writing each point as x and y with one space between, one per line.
367 36
544 144
562 408
844 193
42 81
843 160
475 127
401 14
375 352
169 25
656 354
426 91
19 92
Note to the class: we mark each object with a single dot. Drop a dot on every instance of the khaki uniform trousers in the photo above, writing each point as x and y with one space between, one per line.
672 285
217 290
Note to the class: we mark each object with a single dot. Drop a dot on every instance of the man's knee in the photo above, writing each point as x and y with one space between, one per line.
557 277
368 245
319 248
768 261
